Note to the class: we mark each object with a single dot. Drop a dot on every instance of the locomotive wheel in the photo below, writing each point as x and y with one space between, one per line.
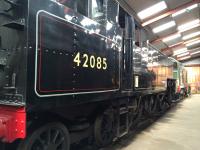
138 116
104 130
164 105
52 136
150 106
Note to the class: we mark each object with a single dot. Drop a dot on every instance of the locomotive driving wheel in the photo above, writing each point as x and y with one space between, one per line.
150 105
52 136
104 129
164 104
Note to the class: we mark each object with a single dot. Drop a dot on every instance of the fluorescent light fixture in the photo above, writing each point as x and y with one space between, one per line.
191 35
195 53
179 12
188 24
192 7
189 28
193 43
172 37
184 10
154 19
180 51
164 26
152 10
183 58
189 41
184 54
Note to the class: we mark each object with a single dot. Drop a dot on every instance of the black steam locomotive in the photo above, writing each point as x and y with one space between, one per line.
73 69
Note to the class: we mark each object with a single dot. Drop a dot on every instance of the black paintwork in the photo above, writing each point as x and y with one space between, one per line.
42 47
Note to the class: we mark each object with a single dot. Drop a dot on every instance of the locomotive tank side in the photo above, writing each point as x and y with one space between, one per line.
74 54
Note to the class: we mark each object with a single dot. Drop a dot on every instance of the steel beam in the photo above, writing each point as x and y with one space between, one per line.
170 12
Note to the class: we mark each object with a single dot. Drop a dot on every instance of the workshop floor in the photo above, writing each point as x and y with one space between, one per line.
178 129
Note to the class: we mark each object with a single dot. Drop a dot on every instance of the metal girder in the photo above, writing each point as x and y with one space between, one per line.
170 12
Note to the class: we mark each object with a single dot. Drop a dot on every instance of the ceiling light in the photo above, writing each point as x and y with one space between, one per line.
184 54
188 24
191 35
164 26
192 7
180 51
184 10
186 42
179 12
169 38
152 10
193 43
183 58
195 53
189 28
154 19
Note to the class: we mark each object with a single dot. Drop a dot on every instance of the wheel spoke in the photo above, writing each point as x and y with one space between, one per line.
49 136
41 141
36 147
59 142
55 136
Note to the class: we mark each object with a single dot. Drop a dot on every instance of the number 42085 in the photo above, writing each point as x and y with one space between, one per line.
90 61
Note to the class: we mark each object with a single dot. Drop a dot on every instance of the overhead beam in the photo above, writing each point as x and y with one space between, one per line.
191 58
161 38
173 46
178 44
170 12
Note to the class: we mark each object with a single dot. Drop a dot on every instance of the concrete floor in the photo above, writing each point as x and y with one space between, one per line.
179 129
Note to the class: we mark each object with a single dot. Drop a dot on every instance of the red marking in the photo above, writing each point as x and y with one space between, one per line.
40 64
12 123
178 89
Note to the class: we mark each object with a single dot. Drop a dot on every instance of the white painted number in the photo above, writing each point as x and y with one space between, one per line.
90 61
77 59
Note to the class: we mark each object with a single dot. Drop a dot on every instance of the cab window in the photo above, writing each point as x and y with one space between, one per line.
104 11
97 12
101 11
112 11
